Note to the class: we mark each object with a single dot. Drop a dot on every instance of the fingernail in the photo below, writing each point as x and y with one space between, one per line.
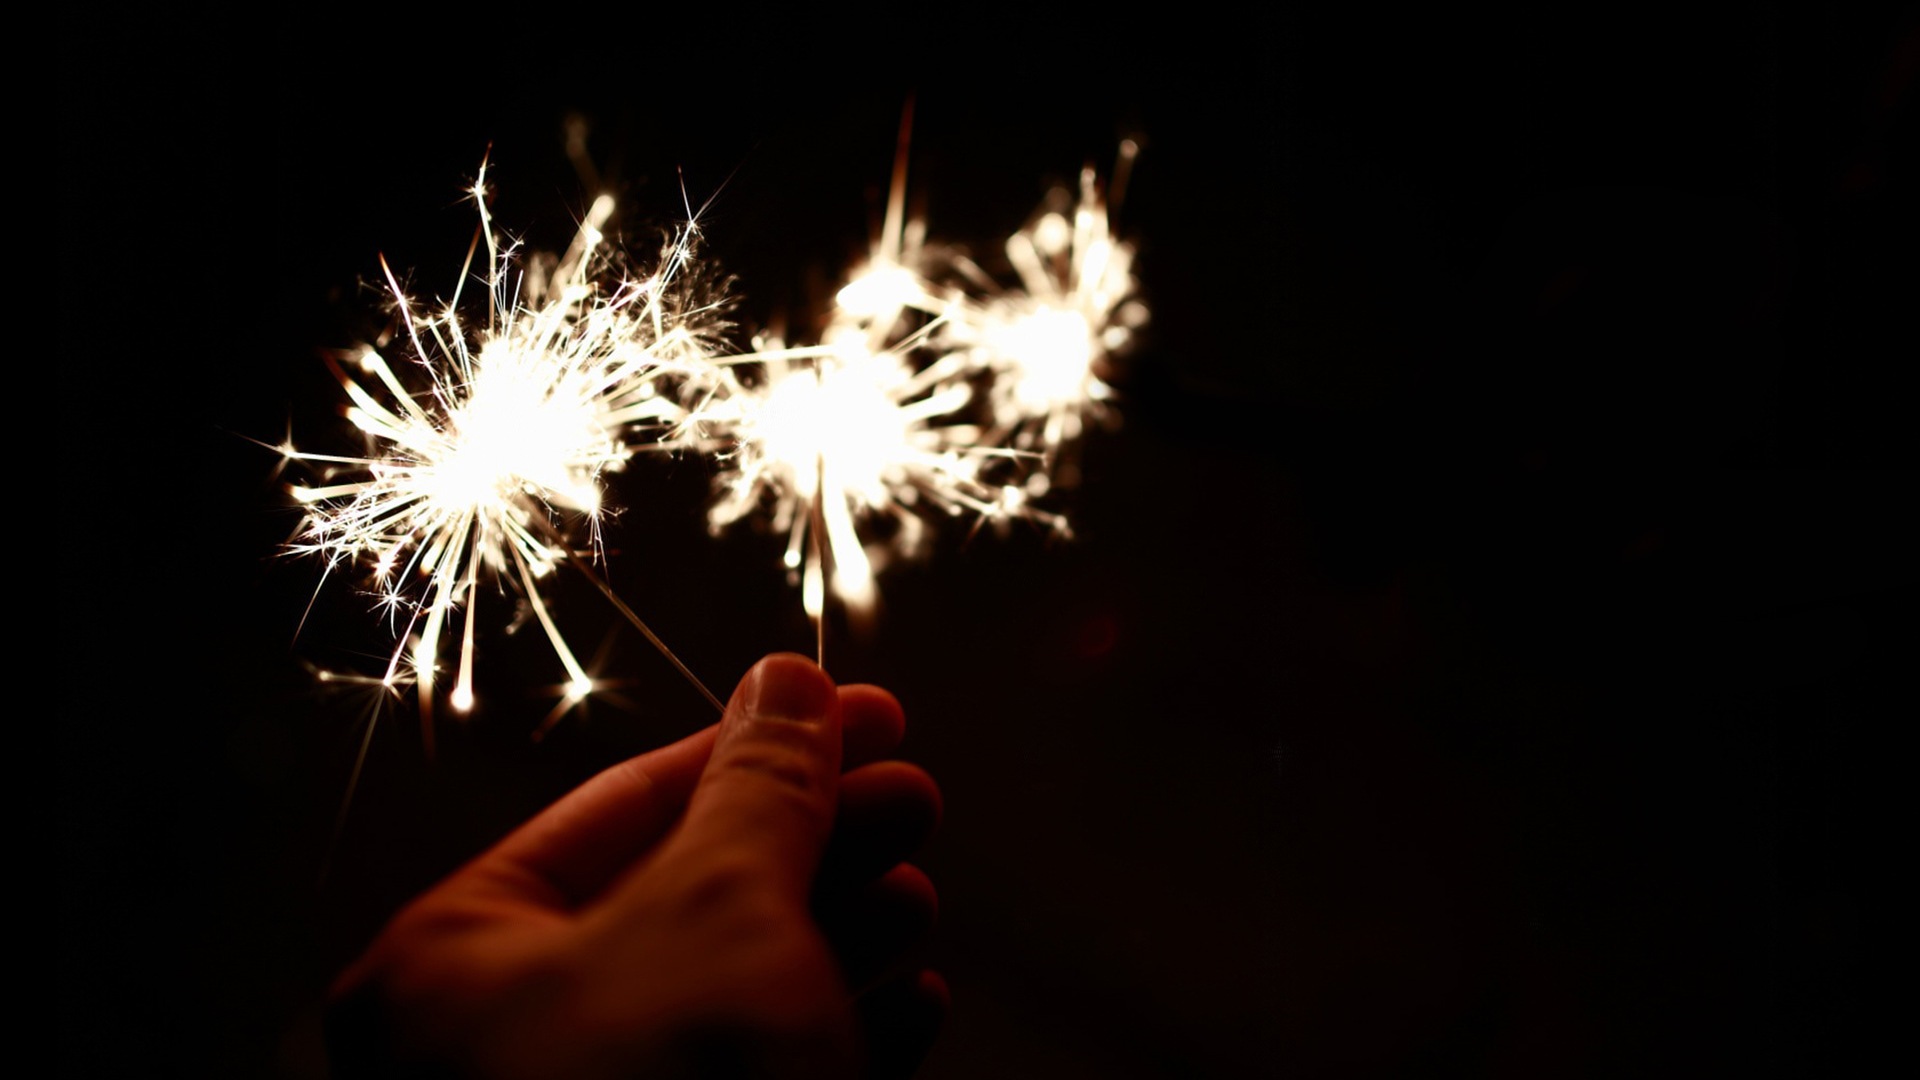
788 686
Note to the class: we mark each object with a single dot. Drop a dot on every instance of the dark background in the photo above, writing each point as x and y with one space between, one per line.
1485 635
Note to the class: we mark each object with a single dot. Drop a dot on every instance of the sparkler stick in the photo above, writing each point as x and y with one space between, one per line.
586 569
816 602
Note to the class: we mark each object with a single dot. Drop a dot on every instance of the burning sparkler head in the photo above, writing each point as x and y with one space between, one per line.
516 420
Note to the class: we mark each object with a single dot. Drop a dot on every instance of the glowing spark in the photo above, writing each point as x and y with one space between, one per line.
518 420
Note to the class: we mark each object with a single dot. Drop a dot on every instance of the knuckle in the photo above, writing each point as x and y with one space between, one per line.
780 762
731 884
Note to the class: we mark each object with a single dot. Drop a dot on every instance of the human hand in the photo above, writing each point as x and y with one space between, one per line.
733 904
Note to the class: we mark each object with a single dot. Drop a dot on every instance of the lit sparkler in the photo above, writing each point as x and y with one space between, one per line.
518 422
934 391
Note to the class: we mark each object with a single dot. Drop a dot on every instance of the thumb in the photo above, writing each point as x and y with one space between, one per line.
770 789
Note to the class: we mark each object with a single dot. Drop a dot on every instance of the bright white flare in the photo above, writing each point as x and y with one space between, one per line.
517 420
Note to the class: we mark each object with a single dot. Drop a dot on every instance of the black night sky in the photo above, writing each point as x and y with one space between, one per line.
1484 633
